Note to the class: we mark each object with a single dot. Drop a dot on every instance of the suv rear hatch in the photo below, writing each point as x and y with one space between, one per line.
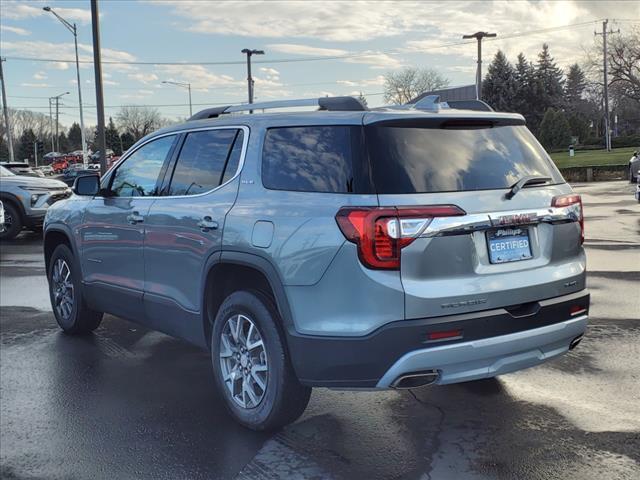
470 241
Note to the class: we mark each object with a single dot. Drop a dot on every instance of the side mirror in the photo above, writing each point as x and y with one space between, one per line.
88 185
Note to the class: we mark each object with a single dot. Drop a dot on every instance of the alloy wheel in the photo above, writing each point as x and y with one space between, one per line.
243 361
62 287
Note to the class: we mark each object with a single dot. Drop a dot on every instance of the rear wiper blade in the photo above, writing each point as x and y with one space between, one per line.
528 180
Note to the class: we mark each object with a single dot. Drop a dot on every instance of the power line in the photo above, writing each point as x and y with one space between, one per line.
308 59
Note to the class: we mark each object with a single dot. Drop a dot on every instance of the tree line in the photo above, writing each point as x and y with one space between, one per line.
129 125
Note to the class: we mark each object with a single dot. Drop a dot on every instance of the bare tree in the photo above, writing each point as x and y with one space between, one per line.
139 120
624 62
403 86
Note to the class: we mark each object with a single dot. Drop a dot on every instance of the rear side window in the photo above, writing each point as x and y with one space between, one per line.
206 159
311 159
419 160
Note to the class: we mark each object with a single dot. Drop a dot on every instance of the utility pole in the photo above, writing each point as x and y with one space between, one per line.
53 148
57 139
607 120
479 36
35 152
250 82
97 65
5 110
74 30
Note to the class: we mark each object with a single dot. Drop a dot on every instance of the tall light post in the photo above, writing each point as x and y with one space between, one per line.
249 53
57 100
72 28
182 84
479 36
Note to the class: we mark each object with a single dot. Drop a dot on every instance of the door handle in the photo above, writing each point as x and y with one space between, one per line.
207 223
134 218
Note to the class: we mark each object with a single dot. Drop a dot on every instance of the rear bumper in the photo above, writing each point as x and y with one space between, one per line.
489 357
492 342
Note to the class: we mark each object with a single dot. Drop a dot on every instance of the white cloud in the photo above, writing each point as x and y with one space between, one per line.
379 80
143 77
198 75
270 71
22 10
378 60
110 83
39 76
35 85
58 65
296 49
16 30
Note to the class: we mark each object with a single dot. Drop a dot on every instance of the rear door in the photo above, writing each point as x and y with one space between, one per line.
185 226
497 252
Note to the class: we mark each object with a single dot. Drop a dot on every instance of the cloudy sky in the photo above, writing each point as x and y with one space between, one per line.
312 48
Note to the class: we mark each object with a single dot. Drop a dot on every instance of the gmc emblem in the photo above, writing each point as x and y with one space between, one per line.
516 219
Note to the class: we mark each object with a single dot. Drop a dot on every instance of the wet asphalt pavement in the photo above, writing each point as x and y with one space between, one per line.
127 402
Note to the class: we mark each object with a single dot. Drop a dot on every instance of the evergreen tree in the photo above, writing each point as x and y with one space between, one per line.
4 150
579 126
363 100
63 143
554 130
525 101
575 86
112 138
550 82
127 140
499 88
25 148
75 137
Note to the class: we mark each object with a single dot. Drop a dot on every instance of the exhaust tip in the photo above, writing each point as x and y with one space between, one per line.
574 343
415 380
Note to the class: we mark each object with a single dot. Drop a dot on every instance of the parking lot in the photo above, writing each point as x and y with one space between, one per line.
131 403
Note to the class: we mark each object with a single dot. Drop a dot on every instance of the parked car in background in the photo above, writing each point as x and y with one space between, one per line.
22 168
1 217
96 156
26 200
46 170
51 156
634 167
71 174
59 165
94 166
342 247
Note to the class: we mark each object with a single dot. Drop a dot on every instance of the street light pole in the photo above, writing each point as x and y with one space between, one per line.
182 84
249 53
73 29
5 110
479 36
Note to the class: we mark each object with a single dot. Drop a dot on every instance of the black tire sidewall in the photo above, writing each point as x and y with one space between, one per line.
263 316
16 222
62 251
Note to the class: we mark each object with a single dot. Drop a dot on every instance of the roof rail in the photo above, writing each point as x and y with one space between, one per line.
334 104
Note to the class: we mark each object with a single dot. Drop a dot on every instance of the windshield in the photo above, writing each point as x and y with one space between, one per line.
417 159
5 172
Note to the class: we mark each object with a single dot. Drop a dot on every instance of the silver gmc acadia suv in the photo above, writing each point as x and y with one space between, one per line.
340 247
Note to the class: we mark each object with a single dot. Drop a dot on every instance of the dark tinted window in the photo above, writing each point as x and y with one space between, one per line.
202 160
410 160
138 174
309 159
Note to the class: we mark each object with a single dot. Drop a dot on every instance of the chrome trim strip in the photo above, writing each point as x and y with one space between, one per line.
441 226
245 144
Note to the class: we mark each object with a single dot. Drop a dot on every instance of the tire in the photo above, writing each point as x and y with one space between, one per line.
71 311
13 222
282 399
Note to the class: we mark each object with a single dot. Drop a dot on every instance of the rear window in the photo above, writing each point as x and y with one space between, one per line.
419 160
312 159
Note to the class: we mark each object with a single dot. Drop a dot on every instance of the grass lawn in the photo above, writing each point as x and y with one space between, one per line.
617 156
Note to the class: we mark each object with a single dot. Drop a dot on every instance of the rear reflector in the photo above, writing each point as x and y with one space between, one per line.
381 232
444 335
577 310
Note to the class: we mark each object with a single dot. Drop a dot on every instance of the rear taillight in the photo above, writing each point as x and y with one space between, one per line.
573 202
381 232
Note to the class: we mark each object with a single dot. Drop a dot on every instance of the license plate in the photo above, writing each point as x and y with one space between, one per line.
508 245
